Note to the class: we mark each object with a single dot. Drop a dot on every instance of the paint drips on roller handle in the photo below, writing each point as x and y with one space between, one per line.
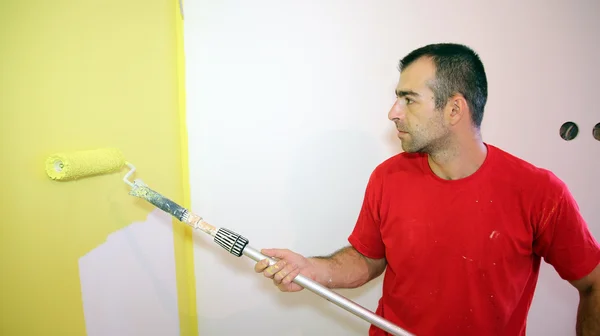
233 242
170 207
159 201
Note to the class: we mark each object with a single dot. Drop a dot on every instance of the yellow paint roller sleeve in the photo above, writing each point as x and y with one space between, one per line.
79 75
88 163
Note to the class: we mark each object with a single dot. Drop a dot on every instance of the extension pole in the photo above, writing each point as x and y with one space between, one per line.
237 245
335 298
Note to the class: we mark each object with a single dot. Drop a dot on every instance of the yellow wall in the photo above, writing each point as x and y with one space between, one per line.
81 75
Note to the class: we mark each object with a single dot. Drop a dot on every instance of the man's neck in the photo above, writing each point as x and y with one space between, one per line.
459 159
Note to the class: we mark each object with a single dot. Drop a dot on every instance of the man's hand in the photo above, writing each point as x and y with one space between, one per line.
345 268
287 267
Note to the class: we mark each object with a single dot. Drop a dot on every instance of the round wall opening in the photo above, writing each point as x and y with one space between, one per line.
596 132
569 130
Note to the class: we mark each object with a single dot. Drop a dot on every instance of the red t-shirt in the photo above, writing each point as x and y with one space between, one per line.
464 255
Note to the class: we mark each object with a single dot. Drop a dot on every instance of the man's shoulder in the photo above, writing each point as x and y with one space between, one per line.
510 167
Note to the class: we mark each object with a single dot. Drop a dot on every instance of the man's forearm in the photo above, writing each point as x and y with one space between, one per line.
588 314
346 268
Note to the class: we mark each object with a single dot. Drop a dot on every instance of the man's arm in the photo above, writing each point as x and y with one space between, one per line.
588 313
348 268
564 240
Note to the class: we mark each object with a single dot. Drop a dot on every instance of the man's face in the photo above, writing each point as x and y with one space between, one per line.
421 127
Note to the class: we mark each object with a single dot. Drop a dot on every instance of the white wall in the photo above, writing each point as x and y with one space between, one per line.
287 106
128 283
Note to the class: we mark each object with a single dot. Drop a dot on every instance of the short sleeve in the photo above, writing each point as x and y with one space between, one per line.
366 236
563 238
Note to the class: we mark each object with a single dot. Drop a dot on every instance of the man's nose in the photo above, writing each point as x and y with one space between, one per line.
397 111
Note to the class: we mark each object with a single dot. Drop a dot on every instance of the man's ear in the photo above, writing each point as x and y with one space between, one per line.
457 109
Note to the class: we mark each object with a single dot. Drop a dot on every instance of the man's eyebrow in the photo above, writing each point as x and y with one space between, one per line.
404 93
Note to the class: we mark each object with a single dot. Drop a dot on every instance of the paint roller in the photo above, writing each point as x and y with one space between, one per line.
76 165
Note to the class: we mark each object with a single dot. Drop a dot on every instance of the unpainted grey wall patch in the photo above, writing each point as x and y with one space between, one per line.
596 132
569 130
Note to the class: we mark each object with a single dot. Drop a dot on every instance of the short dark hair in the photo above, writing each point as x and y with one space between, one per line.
458 70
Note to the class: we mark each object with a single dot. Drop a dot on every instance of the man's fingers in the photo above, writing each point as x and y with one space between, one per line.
273 269
283 271
290 277
260 266
279 276
287 285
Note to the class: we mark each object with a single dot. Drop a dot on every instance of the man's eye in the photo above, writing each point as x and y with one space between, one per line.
408 101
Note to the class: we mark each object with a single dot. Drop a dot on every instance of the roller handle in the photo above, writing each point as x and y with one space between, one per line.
237 245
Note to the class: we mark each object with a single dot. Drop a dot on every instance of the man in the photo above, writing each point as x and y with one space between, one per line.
459 225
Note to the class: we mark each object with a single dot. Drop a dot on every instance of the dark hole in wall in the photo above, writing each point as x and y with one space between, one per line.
569 130
596 132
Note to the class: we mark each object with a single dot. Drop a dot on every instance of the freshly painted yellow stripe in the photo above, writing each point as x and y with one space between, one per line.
184 244
71 79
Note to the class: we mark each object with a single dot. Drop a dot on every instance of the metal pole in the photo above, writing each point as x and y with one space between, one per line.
336 298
